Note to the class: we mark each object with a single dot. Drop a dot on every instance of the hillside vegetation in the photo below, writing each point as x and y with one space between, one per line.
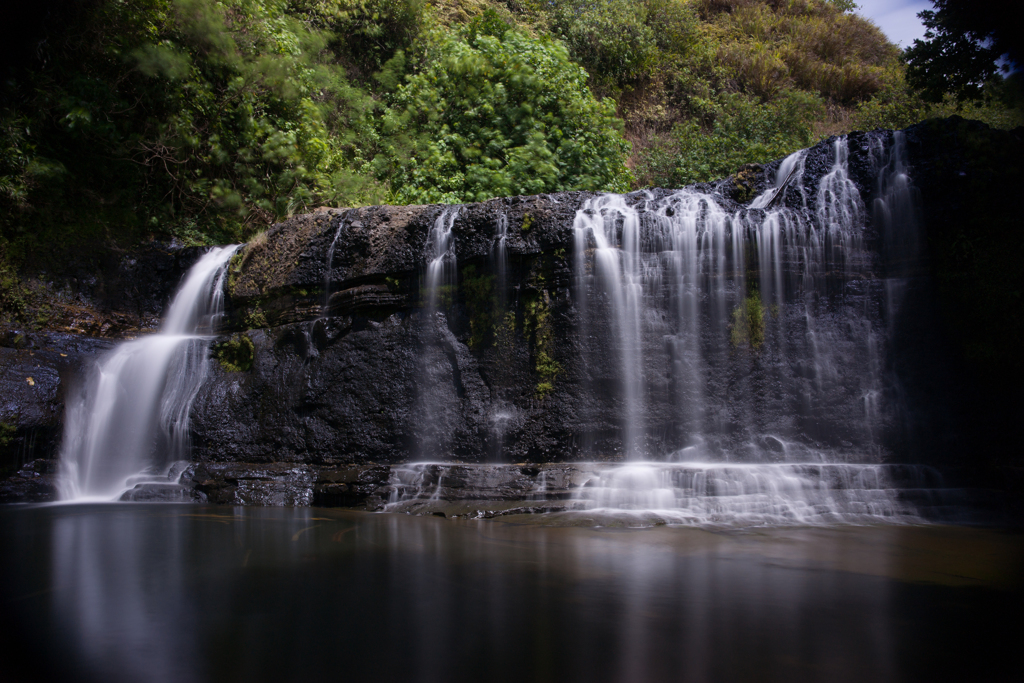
207 120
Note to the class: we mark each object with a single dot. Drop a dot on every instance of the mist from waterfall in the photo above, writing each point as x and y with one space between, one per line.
128 422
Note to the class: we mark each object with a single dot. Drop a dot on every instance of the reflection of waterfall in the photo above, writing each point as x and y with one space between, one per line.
167 594
729 331
129 422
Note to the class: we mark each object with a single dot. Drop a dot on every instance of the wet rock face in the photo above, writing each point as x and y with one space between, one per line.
35 371
352 370
351 367
35 482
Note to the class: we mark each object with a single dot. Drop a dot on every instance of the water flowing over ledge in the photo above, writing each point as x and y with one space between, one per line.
755 335
128 425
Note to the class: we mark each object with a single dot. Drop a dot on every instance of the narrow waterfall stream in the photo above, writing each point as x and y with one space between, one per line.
128 423
432 433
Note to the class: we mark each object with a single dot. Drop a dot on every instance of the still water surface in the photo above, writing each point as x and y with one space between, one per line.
197 593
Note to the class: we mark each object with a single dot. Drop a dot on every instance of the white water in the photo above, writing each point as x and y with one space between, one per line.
613 228
329 267
686 493
753 494
793 165
666 278
128 424
432 432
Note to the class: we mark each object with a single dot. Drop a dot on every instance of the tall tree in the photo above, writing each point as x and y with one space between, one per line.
963 42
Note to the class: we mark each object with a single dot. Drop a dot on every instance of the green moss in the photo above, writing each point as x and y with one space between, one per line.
748 322
255 318
236 354
482 305
7 432
538 327
527 223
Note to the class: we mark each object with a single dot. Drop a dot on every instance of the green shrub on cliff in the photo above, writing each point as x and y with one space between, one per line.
490 116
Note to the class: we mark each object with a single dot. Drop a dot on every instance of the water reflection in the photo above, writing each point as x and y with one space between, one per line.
186 593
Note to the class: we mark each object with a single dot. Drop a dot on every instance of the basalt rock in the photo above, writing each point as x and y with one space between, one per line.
353 373
350 367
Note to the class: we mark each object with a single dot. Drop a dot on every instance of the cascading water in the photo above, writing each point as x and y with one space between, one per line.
501 412
610 228
441 275
329 267
129 422
789 174
686 286
759 494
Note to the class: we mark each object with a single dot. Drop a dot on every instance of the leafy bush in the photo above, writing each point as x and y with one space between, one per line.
609 37
489 117
201 118
744 131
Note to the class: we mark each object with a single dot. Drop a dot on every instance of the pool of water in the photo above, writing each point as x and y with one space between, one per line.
200 593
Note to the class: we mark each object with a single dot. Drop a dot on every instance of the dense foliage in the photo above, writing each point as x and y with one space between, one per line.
960 49
499 115
206 120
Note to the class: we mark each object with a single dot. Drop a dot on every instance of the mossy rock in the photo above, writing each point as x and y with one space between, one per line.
236 354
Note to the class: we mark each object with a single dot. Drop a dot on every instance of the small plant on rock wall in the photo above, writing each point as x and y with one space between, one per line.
255 318
538 325
6 434
12 295
482 305
748 322
236 354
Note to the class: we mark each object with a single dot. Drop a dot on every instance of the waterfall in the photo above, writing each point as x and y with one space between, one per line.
693 296
613 228
435 362
329 268
501 260
789 174
128 423
753 494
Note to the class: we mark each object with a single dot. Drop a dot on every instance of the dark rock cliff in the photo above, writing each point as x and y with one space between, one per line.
341 349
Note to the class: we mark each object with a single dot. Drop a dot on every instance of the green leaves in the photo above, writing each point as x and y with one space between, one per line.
501 116
744 131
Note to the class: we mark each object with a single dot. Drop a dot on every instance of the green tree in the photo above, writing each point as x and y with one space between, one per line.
610 38
491 116
960 48
202 118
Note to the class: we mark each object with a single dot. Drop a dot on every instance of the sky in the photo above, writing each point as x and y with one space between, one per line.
897 18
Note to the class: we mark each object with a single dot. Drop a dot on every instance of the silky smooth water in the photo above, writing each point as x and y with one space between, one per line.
730 332
128 422
178 593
